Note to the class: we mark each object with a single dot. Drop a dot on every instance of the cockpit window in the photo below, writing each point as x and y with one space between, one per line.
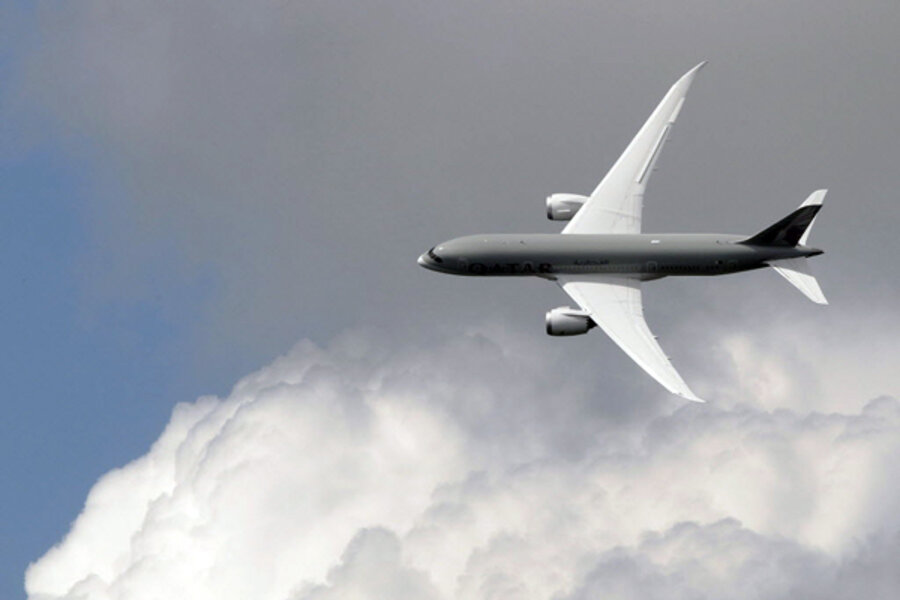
434 256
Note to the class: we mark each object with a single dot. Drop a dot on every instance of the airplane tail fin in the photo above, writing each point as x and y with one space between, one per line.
798 272
794 229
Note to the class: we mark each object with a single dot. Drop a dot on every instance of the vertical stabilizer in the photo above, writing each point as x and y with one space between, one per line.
794 228
815 199
798 272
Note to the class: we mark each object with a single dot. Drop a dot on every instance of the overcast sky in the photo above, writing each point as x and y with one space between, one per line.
192 188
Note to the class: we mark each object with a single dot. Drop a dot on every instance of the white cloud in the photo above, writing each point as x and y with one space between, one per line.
272 143
362 470
371 568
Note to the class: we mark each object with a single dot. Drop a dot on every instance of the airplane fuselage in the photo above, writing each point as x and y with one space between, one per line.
642 256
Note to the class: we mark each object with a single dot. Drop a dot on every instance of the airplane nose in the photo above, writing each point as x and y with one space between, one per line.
422 262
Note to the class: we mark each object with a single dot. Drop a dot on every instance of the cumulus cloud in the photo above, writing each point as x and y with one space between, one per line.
483 467
257 146
371 567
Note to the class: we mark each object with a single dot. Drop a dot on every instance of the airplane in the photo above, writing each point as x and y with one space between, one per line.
601 257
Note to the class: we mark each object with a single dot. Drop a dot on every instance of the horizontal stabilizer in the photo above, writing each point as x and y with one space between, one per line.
797 271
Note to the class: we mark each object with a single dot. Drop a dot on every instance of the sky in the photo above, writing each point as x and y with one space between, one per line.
218 344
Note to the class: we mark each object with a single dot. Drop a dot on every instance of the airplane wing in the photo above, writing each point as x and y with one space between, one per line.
614 303
615 206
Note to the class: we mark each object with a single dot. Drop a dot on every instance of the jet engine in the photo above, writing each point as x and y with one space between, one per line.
568 321
562 207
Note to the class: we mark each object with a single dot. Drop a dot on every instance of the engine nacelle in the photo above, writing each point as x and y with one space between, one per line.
568 321
562 207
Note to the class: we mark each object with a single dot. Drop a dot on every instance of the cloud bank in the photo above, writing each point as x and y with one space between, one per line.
256 147
484 467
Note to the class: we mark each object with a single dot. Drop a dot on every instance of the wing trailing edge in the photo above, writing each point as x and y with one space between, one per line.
614 304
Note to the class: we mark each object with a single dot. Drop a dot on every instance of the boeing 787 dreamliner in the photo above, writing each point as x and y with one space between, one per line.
601 258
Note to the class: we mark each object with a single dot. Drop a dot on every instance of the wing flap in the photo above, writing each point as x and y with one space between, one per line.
614 304
651 160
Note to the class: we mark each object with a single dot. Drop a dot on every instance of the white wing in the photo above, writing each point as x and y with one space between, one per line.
614 303
615 206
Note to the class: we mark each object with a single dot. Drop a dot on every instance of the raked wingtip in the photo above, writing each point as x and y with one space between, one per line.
689 395
688 77
697 68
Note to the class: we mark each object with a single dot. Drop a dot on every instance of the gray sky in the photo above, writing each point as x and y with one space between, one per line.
273 152
254 174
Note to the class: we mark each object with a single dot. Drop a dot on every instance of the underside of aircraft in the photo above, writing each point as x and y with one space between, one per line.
601 257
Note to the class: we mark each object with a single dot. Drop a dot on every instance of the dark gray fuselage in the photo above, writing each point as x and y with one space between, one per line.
644 256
